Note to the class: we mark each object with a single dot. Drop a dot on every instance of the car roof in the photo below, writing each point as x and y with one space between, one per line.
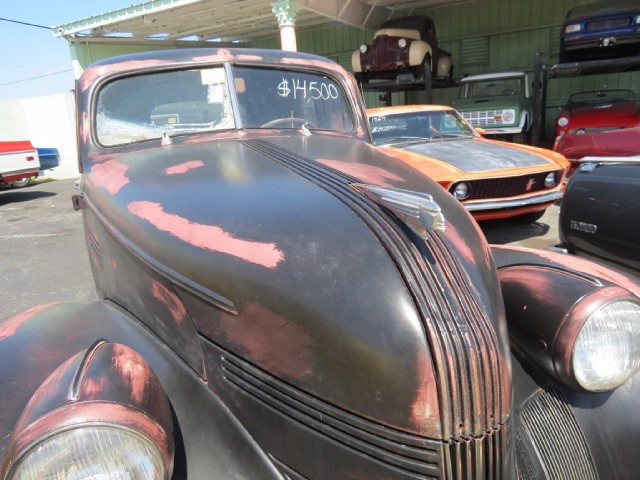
486 76
406 109
603 8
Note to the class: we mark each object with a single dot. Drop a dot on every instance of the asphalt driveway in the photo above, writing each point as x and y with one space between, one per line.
44 257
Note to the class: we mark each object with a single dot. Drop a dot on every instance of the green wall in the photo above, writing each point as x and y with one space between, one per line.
483 36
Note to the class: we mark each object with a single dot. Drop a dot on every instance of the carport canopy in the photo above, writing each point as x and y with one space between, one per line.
227 22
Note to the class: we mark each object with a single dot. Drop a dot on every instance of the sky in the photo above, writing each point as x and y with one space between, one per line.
35 63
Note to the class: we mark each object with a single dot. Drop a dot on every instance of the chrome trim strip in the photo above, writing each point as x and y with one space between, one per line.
521 202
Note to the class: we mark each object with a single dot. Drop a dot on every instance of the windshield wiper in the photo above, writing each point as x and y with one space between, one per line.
438 136
402 139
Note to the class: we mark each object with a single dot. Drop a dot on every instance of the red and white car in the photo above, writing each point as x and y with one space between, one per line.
19 162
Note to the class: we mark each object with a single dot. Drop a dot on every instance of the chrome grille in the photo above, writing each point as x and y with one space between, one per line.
549 424
385 55
608 24
482 118
504 187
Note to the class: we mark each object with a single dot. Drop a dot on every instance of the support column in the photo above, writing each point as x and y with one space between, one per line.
285 12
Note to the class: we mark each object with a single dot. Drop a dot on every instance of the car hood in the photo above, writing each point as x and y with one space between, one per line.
473 104
306 272
622 142
478 155
605 111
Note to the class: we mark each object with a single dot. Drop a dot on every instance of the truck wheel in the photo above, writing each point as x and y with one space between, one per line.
23 182
361 77
425 68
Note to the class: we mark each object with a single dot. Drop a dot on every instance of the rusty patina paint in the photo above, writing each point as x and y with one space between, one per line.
575 263
270 339
209 237
426 408
111 176
184 167
170 300
11 325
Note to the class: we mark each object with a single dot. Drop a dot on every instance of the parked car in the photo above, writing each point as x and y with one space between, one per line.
600 214
491 179
18 161
598 111
601 29
280 299
499 103
623 142
401 50
49 158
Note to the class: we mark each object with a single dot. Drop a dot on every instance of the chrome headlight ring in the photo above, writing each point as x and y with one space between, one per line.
89 420
599 348
92 448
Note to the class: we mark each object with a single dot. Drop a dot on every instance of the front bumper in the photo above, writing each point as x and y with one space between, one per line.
543 198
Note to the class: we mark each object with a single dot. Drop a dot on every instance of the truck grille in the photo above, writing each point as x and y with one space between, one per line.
504 187
483 118
385 55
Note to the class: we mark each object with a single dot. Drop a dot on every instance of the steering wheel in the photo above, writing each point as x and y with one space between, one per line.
508 91
288 122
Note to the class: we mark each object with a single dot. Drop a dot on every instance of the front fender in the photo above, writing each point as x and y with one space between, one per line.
209 442
560 426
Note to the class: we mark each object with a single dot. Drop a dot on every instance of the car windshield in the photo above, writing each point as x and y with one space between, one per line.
495 87
418 126
180 102
598 97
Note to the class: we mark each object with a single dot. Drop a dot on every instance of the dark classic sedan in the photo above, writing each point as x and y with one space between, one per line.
600 214
278 299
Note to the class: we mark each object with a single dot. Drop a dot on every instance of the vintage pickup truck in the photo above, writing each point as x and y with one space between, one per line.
281 300
18 161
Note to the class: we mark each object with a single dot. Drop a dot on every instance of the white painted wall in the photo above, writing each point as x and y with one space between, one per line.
47 121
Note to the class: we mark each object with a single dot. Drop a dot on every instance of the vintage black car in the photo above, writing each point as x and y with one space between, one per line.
600 212
281 300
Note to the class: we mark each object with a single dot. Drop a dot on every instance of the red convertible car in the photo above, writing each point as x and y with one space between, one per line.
279 299
598 111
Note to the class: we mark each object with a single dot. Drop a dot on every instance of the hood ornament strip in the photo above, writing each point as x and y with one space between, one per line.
417 210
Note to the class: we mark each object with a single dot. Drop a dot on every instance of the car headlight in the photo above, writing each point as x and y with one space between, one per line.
92 452
550 180
584 330
607 350
573 28
363 48
508 116
402 43
563 121
461 191
94 424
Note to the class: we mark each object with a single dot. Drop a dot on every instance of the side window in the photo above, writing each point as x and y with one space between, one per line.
146 107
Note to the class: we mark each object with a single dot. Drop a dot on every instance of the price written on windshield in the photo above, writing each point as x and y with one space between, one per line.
304 89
